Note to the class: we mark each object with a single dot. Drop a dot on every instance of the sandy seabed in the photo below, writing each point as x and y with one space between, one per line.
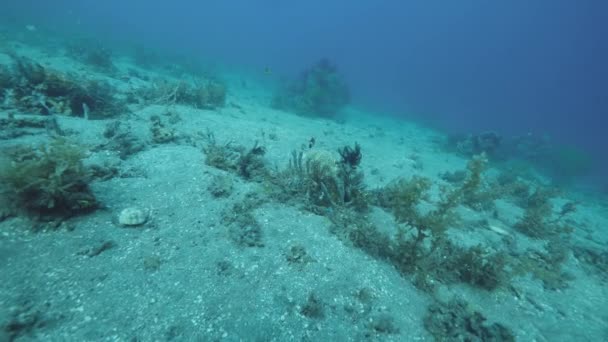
182 276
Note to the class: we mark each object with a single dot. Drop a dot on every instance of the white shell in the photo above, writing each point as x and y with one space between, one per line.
132 216
498 230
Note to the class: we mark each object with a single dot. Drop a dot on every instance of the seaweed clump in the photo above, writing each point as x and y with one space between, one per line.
121 139
594 260
539 221
326 181
420 233
421 246
243 228
32 88
481 268
472 189
160 133
49 181
319 91
247 163
546 266
455 321
204 94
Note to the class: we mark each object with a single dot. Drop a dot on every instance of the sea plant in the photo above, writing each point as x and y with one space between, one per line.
456 321
538 220
221 156
247 163
203 93
475 193
351 156
481 268
404 198
546 265
45 91
251 165
6 80
48 181
243 228
95 99
213 94
421 246
325 180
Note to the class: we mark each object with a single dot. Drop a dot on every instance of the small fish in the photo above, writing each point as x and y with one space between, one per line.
267 71
311 142
30 28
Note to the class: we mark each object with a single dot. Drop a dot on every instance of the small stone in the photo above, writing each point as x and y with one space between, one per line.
132 217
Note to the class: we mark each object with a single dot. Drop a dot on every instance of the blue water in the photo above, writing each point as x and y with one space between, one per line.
515 67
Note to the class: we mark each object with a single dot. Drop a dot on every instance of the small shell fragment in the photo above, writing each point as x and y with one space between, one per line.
498 230
132 217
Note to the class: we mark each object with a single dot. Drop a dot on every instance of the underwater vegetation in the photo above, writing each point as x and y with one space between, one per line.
539 221
13 127
563 164
161 134
243 228
325 181
421 246
594 259
456 321
121 139
34 89
318 91
247 163
404 198
48 181
545 264
422 216
203 93
331 184
221 186
318 178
